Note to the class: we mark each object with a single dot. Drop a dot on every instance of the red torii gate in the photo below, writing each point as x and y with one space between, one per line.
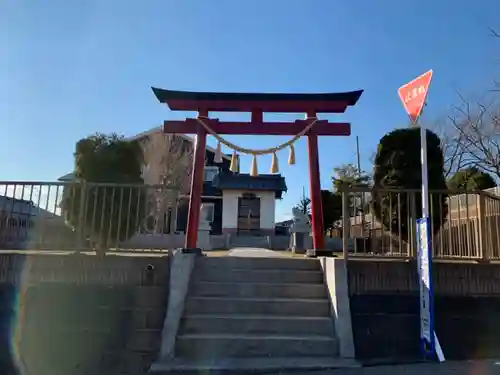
256 104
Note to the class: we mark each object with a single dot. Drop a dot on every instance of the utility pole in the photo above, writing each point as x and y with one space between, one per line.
358 156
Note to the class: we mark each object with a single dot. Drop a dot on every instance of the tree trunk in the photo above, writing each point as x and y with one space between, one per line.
173 216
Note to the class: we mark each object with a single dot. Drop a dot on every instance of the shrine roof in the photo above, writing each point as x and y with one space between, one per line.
243 181
267 102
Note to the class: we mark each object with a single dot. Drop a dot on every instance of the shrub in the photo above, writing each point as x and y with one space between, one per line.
397 166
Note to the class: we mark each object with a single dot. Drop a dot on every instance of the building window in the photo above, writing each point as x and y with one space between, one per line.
210 173
210 211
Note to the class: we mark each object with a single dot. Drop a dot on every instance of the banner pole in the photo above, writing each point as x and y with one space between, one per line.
424 260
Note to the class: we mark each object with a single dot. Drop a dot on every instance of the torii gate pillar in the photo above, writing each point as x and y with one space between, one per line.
318 230
257 105
196 190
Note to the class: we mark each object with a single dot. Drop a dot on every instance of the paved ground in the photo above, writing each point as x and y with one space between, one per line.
447 368
253 252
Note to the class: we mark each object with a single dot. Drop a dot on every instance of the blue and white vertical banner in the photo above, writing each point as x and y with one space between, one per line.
424 257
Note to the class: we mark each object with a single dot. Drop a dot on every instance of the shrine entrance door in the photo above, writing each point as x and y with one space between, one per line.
248 215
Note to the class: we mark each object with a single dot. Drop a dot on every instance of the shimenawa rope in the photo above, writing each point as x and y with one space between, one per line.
250 151
253 170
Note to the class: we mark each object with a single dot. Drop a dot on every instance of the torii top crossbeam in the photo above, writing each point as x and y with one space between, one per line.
257 105
239 102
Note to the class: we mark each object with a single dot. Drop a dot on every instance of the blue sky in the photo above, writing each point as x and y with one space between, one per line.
72 68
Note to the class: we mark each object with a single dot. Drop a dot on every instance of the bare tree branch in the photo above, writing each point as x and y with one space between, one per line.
496 83
470 133
494 32
450 144
168 160
477 133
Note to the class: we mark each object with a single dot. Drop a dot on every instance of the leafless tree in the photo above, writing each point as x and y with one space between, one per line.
450 144
168 161
476 133
470 132
496 82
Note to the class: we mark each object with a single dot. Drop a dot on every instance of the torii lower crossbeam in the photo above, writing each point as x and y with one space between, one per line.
321 127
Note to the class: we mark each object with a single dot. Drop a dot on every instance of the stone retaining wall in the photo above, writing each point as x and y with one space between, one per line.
81 314
385 309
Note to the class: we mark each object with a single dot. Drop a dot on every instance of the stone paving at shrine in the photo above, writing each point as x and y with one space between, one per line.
252 252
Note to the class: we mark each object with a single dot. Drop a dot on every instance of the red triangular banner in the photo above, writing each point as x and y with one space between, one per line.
413 95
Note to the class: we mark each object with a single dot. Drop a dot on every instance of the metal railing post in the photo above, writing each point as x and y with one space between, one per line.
81 216
346 223
412 251
483 252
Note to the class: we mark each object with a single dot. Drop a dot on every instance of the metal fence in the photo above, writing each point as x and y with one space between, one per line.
69 216
468 222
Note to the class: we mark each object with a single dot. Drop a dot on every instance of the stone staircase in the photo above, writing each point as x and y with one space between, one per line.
251 313
248 241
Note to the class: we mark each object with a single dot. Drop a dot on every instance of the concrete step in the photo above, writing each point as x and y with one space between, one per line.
249 244
244 238
258 306
220 345
257 276
259 263
257 324
248 239
253 365
262 290
252 243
